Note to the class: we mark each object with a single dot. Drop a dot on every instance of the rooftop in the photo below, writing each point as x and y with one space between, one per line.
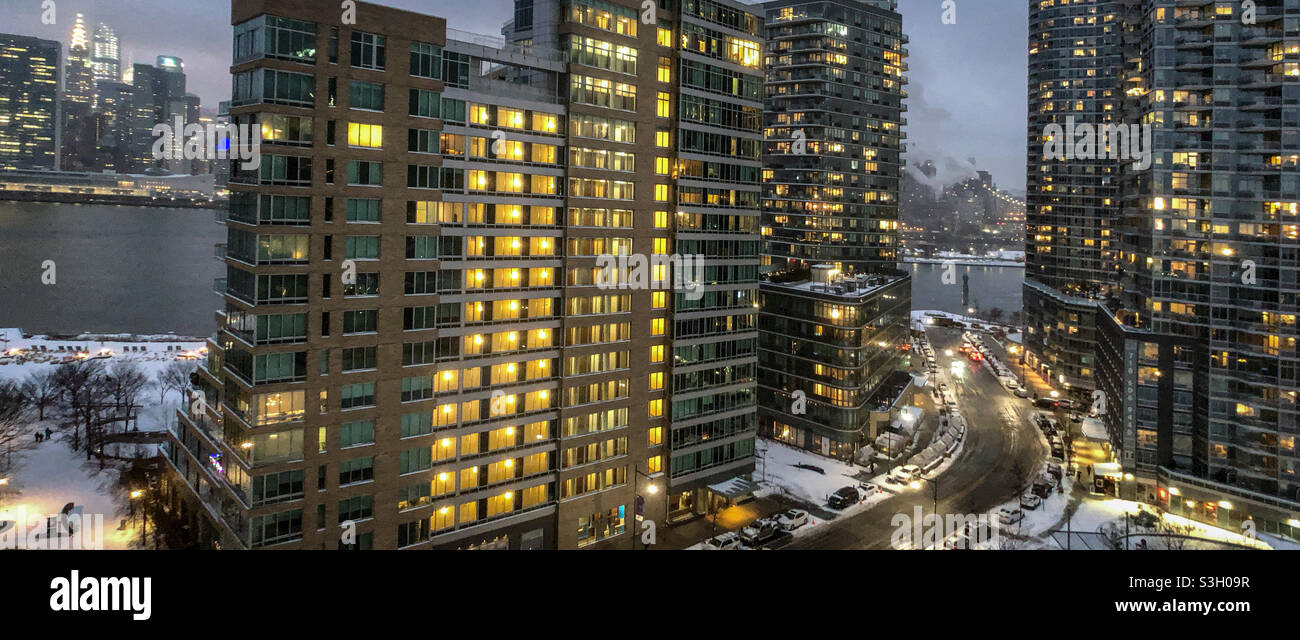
842 285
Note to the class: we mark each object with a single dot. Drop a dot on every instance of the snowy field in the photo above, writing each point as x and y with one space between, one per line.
20 357
48 475
43 477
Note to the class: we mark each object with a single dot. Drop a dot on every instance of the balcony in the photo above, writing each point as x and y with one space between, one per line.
219 286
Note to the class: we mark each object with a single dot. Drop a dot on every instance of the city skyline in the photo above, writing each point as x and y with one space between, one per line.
964 101
636 274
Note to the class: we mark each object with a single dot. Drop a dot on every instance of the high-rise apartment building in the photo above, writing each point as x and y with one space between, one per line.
421 344
1197 345
105 57
29 102
835 305
1074 66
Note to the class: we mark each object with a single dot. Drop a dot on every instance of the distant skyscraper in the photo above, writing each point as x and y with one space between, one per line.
161 90
79 79
105 59
29 102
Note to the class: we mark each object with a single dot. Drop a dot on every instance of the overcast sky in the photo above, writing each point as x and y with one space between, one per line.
967 92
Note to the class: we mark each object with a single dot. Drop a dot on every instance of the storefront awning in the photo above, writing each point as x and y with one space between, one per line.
1108 469
734 488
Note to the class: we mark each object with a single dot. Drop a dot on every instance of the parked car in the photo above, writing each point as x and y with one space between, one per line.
1023 392
913 471
1045 403
898 476
792 519
843 497
1054 470
1010 384
866 490
759 532
723 542
1030 501
1042 489
1010 516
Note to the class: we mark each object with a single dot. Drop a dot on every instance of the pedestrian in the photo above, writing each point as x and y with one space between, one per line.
48 431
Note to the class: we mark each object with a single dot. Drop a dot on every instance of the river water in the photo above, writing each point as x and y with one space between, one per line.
121 269
989 287
116 269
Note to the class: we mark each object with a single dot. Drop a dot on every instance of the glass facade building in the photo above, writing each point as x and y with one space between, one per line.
834 304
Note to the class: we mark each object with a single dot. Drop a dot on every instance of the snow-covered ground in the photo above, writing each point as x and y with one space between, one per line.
777 472
920 317
42 477
1001 258
20 357
46 476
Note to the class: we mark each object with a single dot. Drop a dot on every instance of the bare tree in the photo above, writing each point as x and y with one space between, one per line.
13 416
82 383
176 377
1018 476
1175 535
42 390
125 381
158 385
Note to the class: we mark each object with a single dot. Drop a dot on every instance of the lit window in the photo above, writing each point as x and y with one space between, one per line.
365 135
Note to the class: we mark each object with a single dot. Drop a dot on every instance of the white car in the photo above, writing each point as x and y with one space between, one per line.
1030 501
911 470
723 542
1023 392
1010 516
1010 384
792 519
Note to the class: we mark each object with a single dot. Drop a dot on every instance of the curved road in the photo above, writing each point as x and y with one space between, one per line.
999 432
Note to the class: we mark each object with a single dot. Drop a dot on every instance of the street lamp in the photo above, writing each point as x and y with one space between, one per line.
651 489
136 495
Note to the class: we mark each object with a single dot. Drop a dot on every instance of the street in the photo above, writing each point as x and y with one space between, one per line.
998 435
